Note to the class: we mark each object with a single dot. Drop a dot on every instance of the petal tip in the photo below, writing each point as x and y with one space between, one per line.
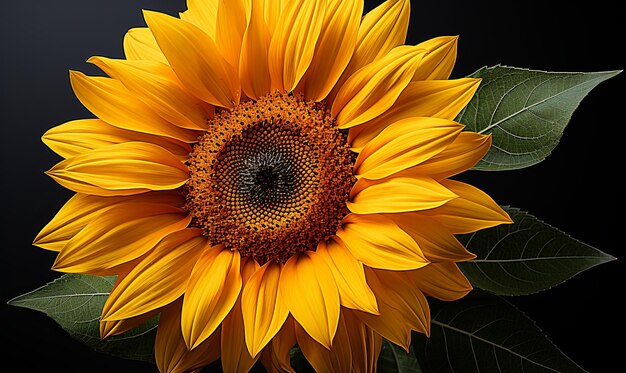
149 13
151 17
58 265
38 238
371 309
450 40
106 317
506 218
106 329
75 74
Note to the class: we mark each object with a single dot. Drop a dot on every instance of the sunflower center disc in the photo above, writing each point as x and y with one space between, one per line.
270 178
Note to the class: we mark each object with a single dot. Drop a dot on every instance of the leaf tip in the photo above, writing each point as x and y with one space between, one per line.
608 258
612 73
14 302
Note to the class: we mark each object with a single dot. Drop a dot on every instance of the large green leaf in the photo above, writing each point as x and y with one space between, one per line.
394 359
526 111
525 257
484 333
75 302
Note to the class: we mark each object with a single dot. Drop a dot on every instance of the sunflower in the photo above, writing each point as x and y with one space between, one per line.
263 174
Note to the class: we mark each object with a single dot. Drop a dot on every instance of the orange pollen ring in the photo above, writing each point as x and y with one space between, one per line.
270 178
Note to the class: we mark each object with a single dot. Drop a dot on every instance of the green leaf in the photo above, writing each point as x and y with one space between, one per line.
526 111
394 359
75 303
525 257
484 333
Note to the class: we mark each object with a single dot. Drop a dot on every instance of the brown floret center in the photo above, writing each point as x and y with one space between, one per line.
270 178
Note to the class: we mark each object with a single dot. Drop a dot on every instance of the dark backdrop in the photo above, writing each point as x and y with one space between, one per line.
576 189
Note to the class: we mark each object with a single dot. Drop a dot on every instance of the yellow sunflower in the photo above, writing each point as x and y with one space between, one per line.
266 173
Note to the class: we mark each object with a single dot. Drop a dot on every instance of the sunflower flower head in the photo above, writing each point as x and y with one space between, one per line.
266 173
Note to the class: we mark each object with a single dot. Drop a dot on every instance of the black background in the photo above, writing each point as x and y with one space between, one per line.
576 189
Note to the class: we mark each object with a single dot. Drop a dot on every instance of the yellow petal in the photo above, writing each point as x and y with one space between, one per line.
403 307
473 210
334 48
266 359
381 30
158 87
254 71
404 144
213 289
395 289
170 352
349 276
195 59
439 61
264 312
202 14
308 289
293 42
432 98
121 169
81 209
364 343
374 88
464 152
119 270
437 242
158 279
139 44
283 343
276 357
248 267
443 281
118 235
232 20
116 327
337 359
378 242
398 194
272 12
389 324
235 356
80 136
112 102
108 328
70 219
